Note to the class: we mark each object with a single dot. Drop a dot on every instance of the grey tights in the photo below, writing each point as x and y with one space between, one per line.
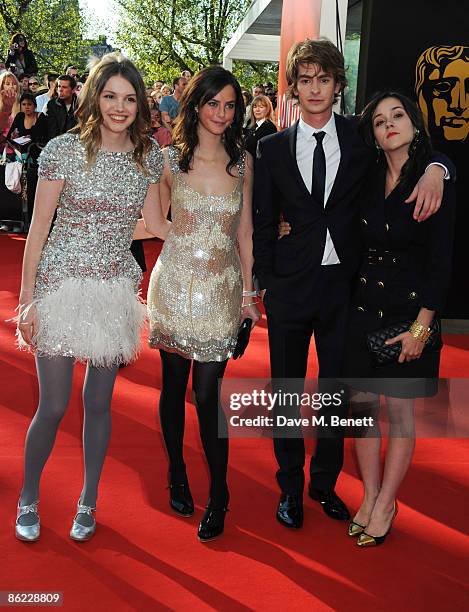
55 385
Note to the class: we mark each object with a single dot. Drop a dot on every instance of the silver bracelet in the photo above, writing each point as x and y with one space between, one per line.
250 293
250 304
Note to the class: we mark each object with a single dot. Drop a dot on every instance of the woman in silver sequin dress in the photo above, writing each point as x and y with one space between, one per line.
79 288
195 297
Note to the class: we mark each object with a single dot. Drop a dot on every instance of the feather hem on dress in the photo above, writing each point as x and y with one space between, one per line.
93 320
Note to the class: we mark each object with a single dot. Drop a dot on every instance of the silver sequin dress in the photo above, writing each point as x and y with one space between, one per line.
86 292
195 292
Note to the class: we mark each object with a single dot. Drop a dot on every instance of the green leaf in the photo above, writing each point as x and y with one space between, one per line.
54 29
166 37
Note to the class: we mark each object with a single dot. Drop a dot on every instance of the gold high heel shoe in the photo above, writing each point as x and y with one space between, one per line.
366 540
355 529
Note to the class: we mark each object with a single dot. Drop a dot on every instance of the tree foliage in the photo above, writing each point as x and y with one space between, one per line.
54 29
12 12
168 36
252 73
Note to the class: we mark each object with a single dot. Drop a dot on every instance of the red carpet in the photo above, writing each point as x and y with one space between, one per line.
143 557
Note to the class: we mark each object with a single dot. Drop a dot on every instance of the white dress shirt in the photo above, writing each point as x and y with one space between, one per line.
305 146
41 102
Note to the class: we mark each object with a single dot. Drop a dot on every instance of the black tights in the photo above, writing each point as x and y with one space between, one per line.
205 377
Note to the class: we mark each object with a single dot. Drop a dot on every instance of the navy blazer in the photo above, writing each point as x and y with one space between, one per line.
253 136
422 275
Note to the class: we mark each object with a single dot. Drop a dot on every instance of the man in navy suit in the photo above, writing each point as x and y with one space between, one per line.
311 174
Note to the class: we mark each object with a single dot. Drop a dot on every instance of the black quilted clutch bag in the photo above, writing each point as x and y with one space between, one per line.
244 334
382 354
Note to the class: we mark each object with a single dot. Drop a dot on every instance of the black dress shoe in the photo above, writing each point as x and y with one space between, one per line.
290 511
331 503
212 524
180 499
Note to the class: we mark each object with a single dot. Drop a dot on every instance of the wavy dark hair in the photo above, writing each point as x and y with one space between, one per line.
420 149
89 115
14 39
204 86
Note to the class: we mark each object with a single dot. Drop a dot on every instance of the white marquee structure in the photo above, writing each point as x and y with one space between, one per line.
257 38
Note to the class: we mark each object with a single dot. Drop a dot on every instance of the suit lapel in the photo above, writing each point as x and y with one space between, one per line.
292 132
260 130
344 135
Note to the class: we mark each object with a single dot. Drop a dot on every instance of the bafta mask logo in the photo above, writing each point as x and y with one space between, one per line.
442 88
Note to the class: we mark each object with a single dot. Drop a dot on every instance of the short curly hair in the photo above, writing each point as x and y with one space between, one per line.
321 52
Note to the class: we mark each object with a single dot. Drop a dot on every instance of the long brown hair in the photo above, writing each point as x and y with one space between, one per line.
420 149
14 39
201 89
89 114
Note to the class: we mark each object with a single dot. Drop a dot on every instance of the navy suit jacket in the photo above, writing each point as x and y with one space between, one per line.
289 267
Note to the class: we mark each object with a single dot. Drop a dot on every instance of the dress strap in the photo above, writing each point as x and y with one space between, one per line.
241 164
173 159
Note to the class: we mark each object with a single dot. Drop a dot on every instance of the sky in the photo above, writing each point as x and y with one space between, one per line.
102 15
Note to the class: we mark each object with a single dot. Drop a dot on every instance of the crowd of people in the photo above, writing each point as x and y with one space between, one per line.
345 223
51 102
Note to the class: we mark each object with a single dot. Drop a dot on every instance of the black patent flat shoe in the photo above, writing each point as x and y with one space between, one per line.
331 503
212 524
180 499
290 511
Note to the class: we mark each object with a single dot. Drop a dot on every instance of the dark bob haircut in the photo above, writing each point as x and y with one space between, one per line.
28 96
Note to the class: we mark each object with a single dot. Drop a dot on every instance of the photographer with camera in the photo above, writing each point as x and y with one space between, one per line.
20 59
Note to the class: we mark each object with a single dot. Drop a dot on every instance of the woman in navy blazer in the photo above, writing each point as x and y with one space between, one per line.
404 277
261 122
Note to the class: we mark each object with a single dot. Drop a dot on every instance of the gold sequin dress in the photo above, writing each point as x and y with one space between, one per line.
195 292
86 291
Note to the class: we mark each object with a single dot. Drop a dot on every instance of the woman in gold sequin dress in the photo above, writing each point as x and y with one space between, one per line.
195 297
78 297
